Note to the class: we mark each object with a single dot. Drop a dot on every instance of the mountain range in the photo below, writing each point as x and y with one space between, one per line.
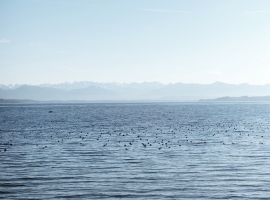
147 91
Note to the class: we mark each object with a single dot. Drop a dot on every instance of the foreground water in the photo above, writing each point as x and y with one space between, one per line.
135 151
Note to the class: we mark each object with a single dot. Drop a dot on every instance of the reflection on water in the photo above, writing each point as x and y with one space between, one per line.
143 151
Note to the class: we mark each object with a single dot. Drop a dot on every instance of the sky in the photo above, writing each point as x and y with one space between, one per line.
124 41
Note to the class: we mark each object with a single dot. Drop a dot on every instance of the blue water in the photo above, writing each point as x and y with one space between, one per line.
135 151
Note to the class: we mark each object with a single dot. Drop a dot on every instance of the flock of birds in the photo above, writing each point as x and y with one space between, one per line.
121 132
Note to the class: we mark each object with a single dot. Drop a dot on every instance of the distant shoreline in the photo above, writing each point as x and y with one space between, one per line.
238 99
243 99
28 101
4 101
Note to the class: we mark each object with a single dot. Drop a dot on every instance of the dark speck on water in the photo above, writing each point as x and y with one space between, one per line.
135 151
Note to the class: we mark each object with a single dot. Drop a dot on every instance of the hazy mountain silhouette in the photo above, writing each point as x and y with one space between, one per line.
125 90
9 87
193 91
132 91
52 94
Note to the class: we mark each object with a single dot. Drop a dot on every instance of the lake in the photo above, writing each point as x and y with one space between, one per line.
135 151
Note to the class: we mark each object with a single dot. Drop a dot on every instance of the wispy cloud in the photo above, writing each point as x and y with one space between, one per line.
160 10
256 12
64 3
4 40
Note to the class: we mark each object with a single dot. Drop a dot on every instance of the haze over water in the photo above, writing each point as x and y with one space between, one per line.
135 151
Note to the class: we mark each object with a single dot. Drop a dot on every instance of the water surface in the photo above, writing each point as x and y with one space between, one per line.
135 151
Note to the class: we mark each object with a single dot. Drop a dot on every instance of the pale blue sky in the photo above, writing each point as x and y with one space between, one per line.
189 41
